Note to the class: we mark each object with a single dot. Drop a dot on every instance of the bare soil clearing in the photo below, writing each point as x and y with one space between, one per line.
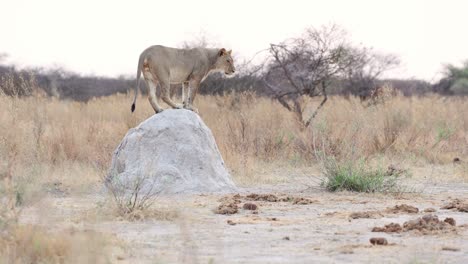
290 223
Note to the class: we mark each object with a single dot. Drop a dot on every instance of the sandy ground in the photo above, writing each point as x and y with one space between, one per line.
320 231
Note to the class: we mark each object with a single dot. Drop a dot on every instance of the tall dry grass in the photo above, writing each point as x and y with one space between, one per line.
33 244
52 140
44 141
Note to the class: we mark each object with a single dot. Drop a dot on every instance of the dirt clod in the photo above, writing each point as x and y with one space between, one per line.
429 210
365 214
229 205
227 208
231 199
449 248
263 197
378 241
286 238
230 222
390 228
250 206
302 200
450 221
403 208
429 224
457 204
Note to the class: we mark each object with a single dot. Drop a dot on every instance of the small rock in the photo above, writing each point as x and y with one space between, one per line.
429 210
456 160
230 222
286 238
250 206
378 241
430 218
450 221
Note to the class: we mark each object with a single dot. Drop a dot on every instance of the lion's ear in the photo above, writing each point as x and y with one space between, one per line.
221 52
229 52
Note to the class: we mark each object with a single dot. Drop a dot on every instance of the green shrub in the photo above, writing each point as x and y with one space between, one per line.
355 175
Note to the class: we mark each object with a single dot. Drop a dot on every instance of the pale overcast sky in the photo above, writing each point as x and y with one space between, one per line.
105 37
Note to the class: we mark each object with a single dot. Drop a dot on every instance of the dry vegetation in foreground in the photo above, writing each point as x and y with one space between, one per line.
67 146
47 140
33 244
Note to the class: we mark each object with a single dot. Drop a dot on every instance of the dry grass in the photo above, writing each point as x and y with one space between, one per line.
46 142
32 244
72 143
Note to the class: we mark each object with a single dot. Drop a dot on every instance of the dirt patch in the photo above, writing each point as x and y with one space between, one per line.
267 198
229 204
428 224
302 200
236 198
378 241
366 214
390 228
403 208
457 204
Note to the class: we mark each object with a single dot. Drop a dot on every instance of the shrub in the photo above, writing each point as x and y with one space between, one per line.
356 176
132 195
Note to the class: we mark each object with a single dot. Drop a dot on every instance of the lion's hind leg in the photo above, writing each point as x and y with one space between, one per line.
151 82
166 94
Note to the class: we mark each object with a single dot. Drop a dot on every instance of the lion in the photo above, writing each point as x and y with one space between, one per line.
189 67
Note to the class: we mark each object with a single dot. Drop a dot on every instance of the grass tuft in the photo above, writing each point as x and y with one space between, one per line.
356 176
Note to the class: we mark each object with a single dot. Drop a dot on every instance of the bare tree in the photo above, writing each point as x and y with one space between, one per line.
305 66
199 40
362 77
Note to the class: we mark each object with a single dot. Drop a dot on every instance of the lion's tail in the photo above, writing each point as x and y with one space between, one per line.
137 87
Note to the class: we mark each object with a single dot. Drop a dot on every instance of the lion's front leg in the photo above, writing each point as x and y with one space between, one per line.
191 92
